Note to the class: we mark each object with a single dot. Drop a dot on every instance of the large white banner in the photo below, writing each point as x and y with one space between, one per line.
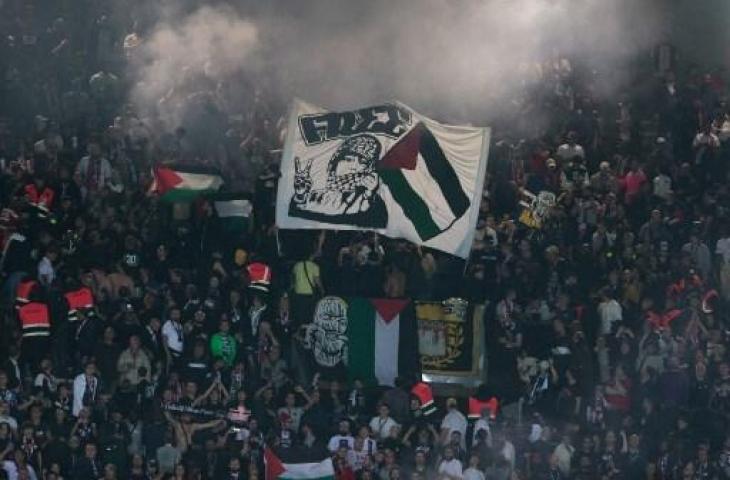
384 168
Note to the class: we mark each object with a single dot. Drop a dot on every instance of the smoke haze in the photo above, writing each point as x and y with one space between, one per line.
436 55
189 53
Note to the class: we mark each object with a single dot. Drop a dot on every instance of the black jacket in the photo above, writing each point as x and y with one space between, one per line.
87 469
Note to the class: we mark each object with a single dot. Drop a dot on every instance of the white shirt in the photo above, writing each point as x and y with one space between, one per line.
482 424
45 271
295 414
724 133
41 380
102 172
564 454
609 313
566 151
473 474
369 447
722 248
334 443
705 139
11 469
172 333
450 467
11 421
381 426
455 421
508 453
79 390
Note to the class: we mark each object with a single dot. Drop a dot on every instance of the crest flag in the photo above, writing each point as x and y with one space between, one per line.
383 168
451 341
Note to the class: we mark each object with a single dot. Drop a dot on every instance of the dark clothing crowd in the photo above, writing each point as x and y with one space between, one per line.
143 339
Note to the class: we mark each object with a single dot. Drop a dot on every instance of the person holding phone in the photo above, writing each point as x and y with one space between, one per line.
343 438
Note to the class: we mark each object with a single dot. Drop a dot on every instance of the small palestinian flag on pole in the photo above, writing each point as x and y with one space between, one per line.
235 211
278 470
422 391
184 184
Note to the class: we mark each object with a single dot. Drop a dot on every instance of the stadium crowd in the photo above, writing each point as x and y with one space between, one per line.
142 340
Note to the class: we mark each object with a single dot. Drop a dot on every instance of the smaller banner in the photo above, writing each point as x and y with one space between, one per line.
369 339
451 342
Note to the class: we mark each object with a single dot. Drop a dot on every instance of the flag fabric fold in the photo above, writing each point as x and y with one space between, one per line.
277 469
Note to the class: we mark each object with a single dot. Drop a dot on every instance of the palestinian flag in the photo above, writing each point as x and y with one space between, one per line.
424 183
278 470
235 211
382 340
183 184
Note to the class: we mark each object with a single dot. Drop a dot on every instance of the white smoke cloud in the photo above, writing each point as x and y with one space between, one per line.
445 55
181 53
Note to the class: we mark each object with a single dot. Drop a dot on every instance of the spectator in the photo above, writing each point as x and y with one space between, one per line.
85 389
570 149
450 468
453 422
94 170
608 323
382 424
134 365
173 336
223 345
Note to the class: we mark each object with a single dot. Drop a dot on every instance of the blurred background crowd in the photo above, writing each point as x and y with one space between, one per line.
607 327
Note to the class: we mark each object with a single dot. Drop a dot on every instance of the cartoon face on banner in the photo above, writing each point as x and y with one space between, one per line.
348 191
327 335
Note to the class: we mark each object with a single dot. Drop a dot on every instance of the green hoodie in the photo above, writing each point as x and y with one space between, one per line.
223 345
